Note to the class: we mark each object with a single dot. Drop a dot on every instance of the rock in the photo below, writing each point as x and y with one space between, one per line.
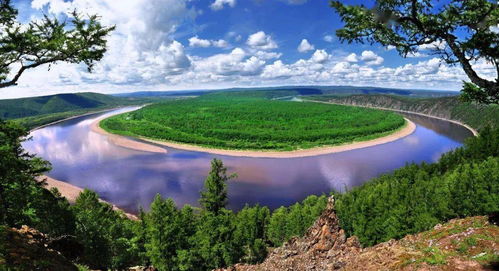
29 249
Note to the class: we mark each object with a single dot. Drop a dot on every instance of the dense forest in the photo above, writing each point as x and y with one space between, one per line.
475 115
244 120
464 182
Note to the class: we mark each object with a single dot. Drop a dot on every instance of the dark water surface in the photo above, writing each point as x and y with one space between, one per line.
130 178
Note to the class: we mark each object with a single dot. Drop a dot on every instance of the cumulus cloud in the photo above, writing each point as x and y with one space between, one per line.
236 62
352 58
260 40
141 49
219 4
305 46
320 56
371 58
197 42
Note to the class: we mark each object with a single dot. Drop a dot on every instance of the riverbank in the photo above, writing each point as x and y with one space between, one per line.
475 132
124 141
406 130
71 192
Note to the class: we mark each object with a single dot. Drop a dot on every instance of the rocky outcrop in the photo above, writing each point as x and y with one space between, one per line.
461 244
29 249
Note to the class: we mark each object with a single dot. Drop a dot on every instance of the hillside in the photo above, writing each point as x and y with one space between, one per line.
476 116
27 107
37 111
460 244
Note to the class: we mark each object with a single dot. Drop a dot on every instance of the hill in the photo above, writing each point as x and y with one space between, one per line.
36 111
27 107
300 90
476 116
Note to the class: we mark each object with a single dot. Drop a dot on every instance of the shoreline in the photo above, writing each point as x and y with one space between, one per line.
472 130
71 192
402 132
74 117
125 142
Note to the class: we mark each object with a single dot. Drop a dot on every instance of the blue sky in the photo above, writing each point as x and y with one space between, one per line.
206 44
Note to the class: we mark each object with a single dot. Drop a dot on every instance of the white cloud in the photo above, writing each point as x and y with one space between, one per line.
371 58
352 58
328 38
236 62
320 56
260 40
219 4
436 45
305 46
197 42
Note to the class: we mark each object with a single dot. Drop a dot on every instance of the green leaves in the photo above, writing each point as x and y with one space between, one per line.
48 42
463 26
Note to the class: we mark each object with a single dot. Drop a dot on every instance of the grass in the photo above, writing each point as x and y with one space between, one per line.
250 121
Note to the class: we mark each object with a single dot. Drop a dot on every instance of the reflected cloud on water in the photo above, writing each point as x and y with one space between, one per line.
130 178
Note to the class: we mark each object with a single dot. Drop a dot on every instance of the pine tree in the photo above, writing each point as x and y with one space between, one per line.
214 194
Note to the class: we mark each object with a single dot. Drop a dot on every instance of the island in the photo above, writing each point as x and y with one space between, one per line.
253 125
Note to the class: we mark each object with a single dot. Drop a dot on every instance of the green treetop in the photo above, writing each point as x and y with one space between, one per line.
214 194
460 32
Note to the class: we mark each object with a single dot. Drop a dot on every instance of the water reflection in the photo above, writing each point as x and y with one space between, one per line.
130 178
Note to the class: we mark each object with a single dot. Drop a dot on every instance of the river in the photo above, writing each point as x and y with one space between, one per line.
130 178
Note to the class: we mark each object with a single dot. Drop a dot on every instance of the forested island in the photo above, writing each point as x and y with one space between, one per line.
248 121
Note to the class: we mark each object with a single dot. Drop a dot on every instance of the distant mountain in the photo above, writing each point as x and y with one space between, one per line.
28 107
302 90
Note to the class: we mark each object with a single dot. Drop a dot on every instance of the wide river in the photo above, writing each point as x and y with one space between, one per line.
129 178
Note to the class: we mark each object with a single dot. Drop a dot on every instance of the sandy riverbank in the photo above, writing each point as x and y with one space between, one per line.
408 129
71 192
125 142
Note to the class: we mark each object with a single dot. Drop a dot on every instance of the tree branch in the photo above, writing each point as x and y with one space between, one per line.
14 80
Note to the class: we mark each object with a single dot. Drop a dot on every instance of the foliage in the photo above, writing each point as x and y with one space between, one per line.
236 121
167 233
214 194
23 200
106 235
459 31
465 182
77 40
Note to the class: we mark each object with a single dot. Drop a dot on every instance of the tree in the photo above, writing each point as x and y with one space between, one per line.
23 198
214 194
459 32
106 235
167 232
22 47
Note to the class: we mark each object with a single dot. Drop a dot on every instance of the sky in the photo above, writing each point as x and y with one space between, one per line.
161 45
